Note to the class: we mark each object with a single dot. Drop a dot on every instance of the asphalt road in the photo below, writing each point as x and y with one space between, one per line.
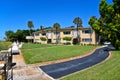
61 69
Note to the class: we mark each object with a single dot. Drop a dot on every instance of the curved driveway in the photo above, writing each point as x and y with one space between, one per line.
61 69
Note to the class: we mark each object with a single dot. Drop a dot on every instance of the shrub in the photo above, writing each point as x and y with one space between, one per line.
67 38
67 43
117 44
43 38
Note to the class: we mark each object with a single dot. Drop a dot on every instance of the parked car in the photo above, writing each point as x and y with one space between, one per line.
108 46
15 49
107 43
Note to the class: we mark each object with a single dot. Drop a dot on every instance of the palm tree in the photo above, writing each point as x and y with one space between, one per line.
90 34
78 22
41 27
30 26
56 26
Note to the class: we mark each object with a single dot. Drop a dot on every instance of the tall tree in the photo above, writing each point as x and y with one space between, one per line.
10 36
56 26
41 27
108 24
19 35
30 26
78 22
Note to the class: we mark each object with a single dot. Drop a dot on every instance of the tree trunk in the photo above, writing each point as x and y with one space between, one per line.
99 39
78 37
30 32
56 36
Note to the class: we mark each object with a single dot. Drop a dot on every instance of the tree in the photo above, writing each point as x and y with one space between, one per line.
10 36
56 26
108 24
30 26
41 27
19 35
78 22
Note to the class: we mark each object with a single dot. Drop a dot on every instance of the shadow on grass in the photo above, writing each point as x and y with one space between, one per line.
115 50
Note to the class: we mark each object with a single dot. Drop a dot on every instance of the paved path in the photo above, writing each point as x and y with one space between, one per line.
22 71
61 69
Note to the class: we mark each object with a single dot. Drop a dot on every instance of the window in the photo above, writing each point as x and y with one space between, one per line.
36 40
43 34
86 40
37 34
66 32
56 33
57 40
87 31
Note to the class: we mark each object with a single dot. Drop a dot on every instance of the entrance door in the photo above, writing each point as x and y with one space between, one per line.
75 41
49 41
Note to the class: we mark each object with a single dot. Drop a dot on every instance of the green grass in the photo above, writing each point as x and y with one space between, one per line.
44 53
4 45
108 70
32 46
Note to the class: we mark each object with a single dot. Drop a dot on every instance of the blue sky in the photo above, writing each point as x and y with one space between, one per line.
14 14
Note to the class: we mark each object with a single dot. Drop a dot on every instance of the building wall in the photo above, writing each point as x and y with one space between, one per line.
37 37
65 35
85 38
88 36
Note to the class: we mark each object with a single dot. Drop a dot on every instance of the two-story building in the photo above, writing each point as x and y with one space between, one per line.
85 35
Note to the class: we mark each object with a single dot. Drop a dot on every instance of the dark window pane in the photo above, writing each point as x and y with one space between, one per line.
86 40
86 31
66 32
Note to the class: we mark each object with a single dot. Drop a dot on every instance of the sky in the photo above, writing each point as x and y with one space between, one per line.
14 14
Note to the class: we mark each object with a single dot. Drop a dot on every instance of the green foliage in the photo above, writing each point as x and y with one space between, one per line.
117 44
30 26
56 26
19 35
108 25
41 27
67 38
9 35
78 21
43 38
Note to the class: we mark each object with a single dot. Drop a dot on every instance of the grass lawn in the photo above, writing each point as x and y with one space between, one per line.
108 70
35 53
4 45
32 46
